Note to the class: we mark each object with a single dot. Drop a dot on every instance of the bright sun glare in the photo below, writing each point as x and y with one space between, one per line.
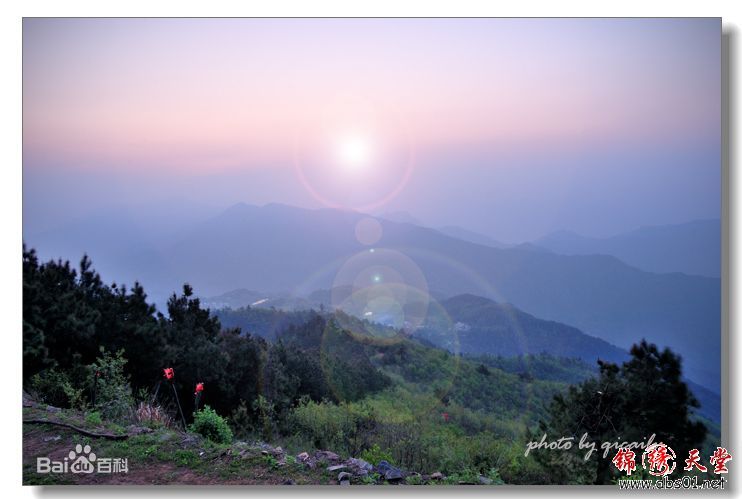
354 151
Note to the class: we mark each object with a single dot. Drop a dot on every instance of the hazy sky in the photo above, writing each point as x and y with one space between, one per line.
513 128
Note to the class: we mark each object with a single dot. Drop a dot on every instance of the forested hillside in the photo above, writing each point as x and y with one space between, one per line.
325 381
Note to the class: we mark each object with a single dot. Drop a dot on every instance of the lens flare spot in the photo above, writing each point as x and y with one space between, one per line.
368 231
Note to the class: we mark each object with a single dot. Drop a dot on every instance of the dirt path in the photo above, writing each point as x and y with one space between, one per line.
56 443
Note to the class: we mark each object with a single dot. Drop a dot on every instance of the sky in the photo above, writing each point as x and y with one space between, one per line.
510 127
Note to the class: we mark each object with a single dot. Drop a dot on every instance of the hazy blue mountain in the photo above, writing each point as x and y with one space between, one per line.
402 217
710 401
277 248
236 298
483 326
126 245
692 248
123 248
471 236
280 249
239 298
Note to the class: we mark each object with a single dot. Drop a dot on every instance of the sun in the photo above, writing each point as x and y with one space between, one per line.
354 151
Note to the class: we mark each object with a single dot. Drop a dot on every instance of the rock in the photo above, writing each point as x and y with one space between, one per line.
268 450
389 472
337 467
437 476
277 452
138 430
190 440
484 480
302 457
52 439
28 400
358 467
326 455
359 464
51 408
344 478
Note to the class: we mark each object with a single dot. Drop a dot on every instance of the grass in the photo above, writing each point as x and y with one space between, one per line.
30 477
160 456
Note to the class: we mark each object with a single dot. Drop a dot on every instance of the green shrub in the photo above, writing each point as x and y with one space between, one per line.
346 427
375 454
371 479
93 418
113 396
465 476
494 475
241 421
211 425
414 480
266 412
55 388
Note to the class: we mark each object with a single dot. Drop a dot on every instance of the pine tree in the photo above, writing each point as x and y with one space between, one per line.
627 403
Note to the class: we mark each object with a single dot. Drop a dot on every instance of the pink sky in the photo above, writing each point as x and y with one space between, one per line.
212 94
537 111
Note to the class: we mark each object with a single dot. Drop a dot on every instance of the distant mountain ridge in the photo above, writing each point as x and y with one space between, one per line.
278 248
692 248
483 326
471 236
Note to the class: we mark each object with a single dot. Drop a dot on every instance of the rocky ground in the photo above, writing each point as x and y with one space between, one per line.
167 456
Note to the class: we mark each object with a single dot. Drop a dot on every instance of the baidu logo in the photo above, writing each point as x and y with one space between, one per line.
81 460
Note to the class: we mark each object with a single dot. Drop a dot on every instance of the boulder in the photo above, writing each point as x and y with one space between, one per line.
190 440
359 464
271 451
343 476
28 401
437 476
484 480
337 467
326 455
389 472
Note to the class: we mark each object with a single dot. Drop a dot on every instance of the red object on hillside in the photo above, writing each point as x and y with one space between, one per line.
445 416
169 373
199 388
